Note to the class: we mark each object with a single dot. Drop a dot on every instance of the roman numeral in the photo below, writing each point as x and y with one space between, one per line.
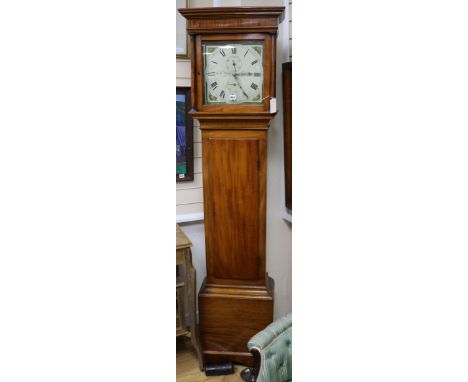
257 74
234 50
254 62
214 62
246 52
222 94
254 86
214 85
222 52
210 74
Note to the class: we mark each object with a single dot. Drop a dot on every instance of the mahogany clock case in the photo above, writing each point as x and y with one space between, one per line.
236 297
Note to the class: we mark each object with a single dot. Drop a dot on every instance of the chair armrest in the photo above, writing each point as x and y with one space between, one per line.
272 347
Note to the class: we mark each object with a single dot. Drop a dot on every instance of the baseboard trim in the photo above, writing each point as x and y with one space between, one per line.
187 218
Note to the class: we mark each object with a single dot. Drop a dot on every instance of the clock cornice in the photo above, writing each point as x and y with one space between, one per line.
233 19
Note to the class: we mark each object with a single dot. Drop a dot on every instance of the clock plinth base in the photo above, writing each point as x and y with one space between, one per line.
229 316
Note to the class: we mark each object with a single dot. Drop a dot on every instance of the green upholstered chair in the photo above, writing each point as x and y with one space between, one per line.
272 351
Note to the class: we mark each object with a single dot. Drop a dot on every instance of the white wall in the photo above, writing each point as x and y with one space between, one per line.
290 29
279 231
189 195
278 243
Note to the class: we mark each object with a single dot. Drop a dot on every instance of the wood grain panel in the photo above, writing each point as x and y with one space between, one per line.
234 203
233 25
232 19
221 316
234 206
230 320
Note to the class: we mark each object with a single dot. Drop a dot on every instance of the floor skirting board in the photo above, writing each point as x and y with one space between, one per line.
186 218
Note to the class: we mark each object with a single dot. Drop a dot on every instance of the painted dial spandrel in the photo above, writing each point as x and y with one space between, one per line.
233 73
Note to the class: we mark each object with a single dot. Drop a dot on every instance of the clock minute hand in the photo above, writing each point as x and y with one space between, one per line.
238 83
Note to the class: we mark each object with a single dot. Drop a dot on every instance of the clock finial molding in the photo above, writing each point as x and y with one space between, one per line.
233 67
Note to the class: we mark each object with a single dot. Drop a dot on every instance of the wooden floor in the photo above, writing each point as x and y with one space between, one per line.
188 370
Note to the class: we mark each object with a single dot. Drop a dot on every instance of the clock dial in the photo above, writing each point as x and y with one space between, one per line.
233 73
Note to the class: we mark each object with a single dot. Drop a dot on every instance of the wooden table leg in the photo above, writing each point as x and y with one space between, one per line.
180 308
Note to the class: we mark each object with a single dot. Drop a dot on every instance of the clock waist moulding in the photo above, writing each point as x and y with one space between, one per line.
233 68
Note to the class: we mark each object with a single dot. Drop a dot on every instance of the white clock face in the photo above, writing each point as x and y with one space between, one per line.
233 73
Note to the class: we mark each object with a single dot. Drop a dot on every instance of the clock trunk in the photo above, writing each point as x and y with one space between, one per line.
234 197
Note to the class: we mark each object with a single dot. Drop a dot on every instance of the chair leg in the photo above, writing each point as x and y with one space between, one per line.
248 375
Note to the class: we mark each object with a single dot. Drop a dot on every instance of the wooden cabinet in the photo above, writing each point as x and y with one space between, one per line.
185 289
236 298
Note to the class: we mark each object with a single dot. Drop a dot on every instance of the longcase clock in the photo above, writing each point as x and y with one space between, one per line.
233 90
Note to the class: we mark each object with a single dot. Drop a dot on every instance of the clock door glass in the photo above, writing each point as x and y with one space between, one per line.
233 73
